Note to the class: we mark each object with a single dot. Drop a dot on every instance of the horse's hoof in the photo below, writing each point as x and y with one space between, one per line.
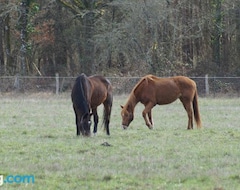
150 127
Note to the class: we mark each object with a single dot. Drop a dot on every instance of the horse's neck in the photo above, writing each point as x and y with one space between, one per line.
132 102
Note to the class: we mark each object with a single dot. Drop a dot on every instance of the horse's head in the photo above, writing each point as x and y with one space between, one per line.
86 124
127 117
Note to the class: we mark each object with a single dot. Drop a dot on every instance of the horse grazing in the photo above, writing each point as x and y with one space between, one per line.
151 90
87 94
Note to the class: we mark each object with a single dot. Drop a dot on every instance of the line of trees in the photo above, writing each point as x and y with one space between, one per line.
120 37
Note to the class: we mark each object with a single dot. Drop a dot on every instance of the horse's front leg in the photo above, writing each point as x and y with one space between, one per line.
77 126
150 117
77 121
95 118
147 111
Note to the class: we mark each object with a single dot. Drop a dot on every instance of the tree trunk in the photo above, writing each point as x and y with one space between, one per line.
217 34
2 70
60 44
237 18
88 57
9 62
23 35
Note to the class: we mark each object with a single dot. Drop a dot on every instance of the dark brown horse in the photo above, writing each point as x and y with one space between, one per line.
151 90
87 94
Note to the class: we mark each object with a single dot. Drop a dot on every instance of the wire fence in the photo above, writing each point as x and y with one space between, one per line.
207 86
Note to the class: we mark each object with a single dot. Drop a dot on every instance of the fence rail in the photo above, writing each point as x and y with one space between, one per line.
207 86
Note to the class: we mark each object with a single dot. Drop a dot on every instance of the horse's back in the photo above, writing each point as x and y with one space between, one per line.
98 79
100 83
163 90
101 90
186 85
179 83
184 81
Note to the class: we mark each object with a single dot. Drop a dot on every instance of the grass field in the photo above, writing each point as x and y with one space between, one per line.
38 137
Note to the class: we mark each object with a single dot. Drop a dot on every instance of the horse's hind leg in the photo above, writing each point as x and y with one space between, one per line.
107 126
95 119
107 115
107 111
188 107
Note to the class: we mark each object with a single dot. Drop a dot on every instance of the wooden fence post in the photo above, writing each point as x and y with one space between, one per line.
17 83
57 83
206 85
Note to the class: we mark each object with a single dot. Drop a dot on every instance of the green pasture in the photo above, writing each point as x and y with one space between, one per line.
38 137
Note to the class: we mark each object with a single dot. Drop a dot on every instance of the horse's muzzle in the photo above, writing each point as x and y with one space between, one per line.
124 127
87 134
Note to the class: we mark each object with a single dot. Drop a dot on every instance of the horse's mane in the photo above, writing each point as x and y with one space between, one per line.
132 98
80 96
146 78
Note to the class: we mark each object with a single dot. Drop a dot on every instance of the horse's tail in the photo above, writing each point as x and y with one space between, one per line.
196 110
108 109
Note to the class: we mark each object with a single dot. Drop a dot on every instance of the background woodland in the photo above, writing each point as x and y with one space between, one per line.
120 37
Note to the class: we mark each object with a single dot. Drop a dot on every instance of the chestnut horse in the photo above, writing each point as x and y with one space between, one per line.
87 94
151 90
